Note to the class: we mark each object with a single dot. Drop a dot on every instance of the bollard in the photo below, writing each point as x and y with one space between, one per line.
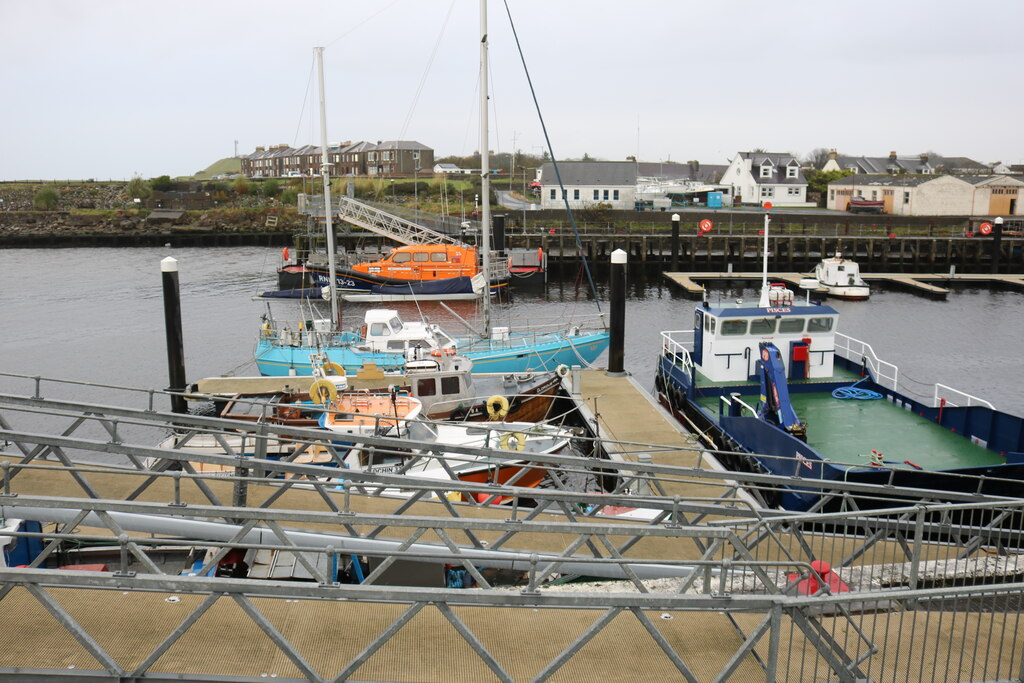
172 326
675 242
616 348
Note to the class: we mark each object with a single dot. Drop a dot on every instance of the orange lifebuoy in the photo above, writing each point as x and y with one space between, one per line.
985 229
436 353
284 253
540 256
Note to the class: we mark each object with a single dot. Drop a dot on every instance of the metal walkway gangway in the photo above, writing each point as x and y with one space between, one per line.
375 220
712 589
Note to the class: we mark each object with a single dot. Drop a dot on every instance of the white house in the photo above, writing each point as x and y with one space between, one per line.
758 177
930 195
920 164
451 169
588 183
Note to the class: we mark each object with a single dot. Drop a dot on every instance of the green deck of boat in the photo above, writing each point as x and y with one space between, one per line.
846 431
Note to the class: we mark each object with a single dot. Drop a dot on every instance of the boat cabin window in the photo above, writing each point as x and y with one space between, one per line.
733 327
791 325
450 385
396 324
439 256
841 268
819 324
426 387
420 256
380 330
762 326
402 257
396 345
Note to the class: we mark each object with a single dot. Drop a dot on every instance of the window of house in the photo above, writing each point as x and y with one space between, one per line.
565 194
874 194
552 194
372 156
762 326
426 387
449 385
575 194
766 171
793 191
767 192
819 324
439 257
731 328
831 194
791 326
597 195
906 197
606 195
615 195
791 171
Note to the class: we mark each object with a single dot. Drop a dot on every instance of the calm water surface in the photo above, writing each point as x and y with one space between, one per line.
96 315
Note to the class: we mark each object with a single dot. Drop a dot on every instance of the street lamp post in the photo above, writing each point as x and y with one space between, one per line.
997 242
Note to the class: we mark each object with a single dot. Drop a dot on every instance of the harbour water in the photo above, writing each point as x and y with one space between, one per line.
96 315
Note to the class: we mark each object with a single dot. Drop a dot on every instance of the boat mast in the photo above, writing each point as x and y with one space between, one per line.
485 172
325 173
764 251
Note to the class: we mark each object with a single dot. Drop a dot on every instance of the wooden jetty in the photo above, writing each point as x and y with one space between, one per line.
922 283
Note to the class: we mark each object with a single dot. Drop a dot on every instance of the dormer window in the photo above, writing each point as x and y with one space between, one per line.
791 171
766 171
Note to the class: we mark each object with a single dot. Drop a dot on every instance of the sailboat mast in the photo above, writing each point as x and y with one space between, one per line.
485 172
325 173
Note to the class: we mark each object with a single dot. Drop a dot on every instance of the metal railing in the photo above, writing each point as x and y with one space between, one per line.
886 374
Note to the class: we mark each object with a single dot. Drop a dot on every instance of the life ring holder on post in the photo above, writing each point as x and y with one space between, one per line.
497 407
323 391
516 438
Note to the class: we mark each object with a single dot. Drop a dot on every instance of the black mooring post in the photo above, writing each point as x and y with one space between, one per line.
997 242
616 349
675 243
172 325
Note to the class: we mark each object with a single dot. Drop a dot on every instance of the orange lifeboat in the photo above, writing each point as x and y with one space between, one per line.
424 262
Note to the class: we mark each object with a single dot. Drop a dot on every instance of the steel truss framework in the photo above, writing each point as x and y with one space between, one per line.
922 603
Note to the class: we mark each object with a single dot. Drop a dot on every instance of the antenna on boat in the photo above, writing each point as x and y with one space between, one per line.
325 172
764 303
485 172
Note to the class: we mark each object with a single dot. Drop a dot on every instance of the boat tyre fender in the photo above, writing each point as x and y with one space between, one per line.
562 370
332 368
497 407
659 383
322 391
512 441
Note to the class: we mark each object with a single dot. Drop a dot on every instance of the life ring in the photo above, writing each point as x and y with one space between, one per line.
323 391
562 370
332 368
517 439
497 407
985 229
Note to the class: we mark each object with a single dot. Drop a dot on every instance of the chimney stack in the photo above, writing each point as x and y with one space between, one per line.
833 154
892 156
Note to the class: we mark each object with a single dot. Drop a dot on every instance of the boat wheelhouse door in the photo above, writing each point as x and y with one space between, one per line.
699 318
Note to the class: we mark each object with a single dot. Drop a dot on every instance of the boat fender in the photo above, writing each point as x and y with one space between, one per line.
497 408
512 441
323 391
562 370
266 329
332 368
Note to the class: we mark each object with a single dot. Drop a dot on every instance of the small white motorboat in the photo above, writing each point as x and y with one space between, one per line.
841 277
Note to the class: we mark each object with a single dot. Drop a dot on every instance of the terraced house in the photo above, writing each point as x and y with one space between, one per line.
390 158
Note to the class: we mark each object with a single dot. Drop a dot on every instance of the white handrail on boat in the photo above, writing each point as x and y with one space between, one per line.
677 341
729 399
971 400
855 349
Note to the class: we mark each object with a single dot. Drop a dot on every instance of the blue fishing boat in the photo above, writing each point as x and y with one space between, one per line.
388 342
776 384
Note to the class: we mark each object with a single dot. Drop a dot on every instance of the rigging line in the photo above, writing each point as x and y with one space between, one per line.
426 72
361 23
305 100
554 163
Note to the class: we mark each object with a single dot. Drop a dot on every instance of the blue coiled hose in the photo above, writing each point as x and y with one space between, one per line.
853 392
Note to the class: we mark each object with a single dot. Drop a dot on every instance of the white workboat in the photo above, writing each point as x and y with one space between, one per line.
841 277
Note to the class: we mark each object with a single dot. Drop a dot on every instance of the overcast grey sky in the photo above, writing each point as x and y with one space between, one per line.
112 88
